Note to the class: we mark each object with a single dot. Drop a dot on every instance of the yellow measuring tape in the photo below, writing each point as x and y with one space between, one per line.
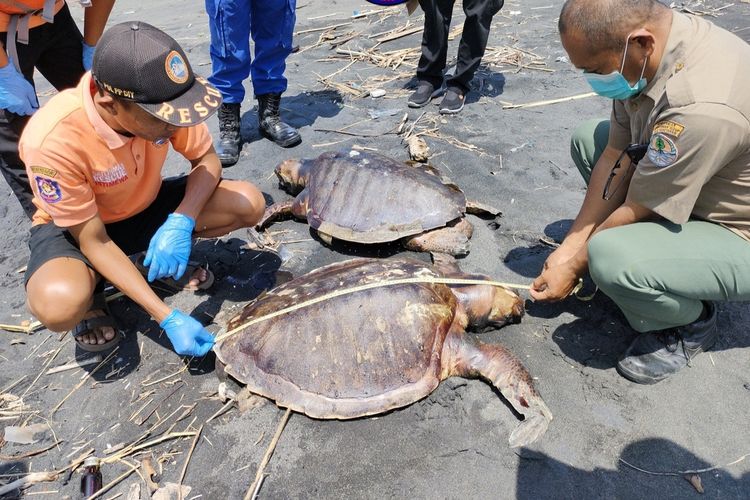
369 286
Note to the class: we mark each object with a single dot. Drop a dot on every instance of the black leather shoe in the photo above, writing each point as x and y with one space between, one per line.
228 149
270 124
652 357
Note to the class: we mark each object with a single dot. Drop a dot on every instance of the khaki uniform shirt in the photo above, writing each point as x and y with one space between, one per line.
695 116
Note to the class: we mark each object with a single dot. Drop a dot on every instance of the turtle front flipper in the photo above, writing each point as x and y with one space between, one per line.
465 356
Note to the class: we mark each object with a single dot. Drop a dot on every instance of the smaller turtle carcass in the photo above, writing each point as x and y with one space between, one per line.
368 198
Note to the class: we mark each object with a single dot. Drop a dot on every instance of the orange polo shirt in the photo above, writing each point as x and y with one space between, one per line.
79 167
10 7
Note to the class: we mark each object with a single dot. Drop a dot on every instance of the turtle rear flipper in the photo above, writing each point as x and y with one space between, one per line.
296 207
452 239
465 356
482 210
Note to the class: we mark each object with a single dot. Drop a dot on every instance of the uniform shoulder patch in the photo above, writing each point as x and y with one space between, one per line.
45 171
669 127
662 150
49 190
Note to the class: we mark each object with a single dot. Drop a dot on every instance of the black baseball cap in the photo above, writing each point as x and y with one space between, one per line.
137 62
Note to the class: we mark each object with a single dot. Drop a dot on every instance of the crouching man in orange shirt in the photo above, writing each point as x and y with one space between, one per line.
94 156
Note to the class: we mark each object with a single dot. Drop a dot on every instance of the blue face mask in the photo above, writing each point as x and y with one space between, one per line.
614 85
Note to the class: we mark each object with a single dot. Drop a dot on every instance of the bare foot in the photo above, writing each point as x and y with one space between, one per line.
199 276
98 335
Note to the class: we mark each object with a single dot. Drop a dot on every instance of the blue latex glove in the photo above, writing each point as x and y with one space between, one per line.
16 93
88 55
188 336
169 249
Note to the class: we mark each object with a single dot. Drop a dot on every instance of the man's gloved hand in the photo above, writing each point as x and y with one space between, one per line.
169 249
88 55
16 93
188 336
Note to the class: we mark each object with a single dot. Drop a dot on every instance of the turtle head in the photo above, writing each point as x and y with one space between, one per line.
507 307
293 175
489 307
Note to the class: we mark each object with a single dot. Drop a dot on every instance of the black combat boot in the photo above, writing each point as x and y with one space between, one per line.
270 124
655 356
230 141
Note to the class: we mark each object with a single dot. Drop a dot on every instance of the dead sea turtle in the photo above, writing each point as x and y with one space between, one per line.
364 197
373 350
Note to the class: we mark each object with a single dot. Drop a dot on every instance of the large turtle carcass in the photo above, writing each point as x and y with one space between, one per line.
368 198
373 350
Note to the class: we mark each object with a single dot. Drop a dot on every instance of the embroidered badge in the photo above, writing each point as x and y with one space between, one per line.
176 68
45 171
670 128
49 190
662 150
110 177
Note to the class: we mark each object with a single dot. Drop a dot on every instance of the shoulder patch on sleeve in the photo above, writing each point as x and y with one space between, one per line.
45 171
662 150
49 190
669 127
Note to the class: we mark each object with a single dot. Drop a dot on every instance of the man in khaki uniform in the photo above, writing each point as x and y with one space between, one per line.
664 227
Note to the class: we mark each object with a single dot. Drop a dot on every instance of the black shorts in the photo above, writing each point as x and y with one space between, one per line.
132 235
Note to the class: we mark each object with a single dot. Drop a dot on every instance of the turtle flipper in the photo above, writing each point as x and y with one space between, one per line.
482 210
452 239
296 207
275 212
465 356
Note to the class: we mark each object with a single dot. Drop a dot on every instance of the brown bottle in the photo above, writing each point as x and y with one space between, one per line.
91 480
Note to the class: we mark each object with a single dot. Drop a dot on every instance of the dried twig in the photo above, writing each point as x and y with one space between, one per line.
83 381
75 364
683 472
27 329
252 491
116 480
400 33
184 368
30 453
324 28
26 481
132 449
549 101
190 454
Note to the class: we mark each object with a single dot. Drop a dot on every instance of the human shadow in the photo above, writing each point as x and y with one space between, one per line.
10 471
486 83
601 333
299 111
541 476
529 260
240 275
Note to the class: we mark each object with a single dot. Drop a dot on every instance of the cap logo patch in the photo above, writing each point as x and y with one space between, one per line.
662 150
49 190
176 68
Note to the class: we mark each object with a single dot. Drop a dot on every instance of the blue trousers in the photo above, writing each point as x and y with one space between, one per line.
232 22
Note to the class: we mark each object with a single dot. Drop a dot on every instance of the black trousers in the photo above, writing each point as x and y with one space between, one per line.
437 22
56 50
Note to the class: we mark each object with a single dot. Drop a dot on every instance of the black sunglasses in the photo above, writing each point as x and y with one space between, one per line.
635 152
